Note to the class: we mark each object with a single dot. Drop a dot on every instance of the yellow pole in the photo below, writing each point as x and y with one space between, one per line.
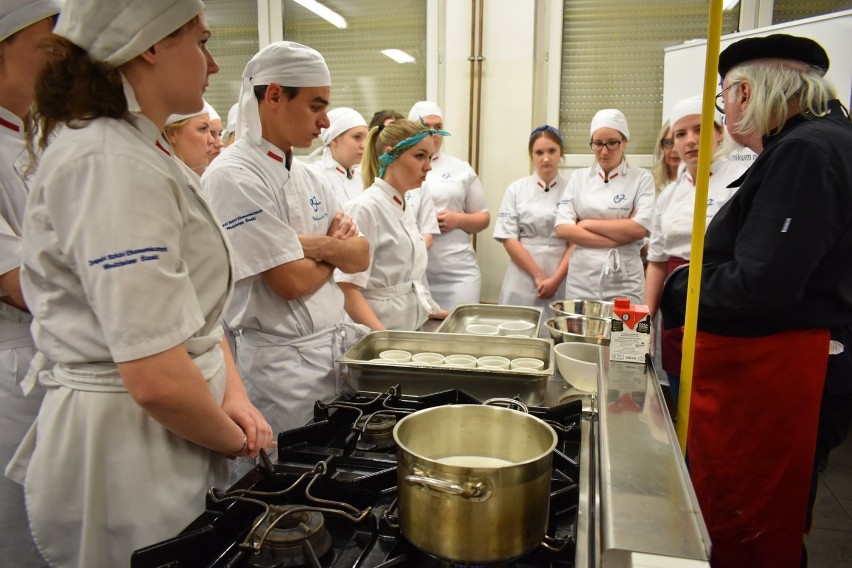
696 255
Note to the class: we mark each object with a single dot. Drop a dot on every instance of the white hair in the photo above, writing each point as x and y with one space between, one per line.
775 84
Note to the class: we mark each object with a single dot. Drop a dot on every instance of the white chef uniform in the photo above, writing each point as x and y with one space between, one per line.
392 285
346 184
122 260
287 348
453 273
17 412
671 229
528 214
603 274
423 209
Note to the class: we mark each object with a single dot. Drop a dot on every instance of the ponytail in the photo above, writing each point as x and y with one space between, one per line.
75 89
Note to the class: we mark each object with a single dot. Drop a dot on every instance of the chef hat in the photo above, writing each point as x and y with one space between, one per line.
16 15
117 31
207 108
775 46
287 63
688 107
424 108
341 119
211 111
610 118
232 121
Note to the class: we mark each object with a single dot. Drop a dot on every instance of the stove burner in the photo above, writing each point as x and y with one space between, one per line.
377 430
330 478
291 535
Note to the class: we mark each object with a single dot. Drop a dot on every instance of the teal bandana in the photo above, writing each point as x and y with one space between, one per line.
391 155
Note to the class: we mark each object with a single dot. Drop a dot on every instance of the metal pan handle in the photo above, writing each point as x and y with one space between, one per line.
507 402
472 489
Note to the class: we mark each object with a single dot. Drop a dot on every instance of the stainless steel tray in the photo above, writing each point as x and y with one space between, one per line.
464 315
418 379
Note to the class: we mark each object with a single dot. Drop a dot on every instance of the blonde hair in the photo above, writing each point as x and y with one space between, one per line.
775 84
660 169
379 138
173 127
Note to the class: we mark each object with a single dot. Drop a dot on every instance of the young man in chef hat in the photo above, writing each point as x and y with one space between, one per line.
288 235
23 25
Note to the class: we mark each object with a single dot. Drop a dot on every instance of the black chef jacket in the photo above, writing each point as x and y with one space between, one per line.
778 255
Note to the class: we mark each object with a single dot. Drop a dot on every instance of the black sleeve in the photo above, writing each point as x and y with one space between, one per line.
798 213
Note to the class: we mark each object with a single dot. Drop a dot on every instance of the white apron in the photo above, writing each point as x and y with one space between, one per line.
453 273
404 307
137 450
604 274
17 413
519 288
285 376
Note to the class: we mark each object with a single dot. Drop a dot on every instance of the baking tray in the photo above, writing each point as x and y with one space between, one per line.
464 315
419 379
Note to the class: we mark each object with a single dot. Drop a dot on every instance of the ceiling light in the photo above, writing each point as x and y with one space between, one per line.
323 12
398 55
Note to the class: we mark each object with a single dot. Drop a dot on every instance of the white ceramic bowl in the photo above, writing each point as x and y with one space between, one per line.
482 329
527 363
492 362
467 361
428 358
396 355
515 328
578 364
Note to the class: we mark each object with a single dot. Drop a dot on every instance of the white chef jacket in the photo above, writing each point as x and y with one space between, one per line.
123 259
391 285
671 229
528 214
263 207
346 184
423 208
288 348
452 272
604 274
17 412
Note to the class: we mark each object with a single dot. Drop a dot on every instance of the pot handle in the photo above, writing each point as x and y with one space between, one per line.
473 489
507 402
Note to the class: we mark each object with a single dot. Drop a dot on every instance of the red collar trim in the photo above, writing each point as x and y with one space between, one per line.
275 156
542 186
9 125
398 200
160 146
341 170
613 176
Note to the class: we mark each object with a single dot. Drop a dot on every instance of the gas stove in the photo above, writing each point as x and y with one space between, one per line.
328 499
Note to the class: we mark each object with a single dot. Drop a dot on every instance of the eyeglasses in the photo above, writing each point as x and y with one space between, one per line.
611 145
667 143
720 98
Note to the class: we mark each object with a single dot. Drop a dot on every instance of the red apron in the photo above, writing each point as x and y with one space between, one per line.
671 339
752 434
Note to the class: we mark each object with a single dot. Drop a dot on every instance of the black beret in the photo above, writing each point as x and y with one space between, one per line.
776 46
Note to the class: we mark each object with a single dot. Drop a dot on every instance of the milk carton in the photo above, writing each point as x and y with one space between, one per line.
630 332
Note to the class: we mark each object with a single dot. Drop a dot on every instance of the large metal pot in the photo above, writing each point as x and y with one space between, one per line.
474 481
